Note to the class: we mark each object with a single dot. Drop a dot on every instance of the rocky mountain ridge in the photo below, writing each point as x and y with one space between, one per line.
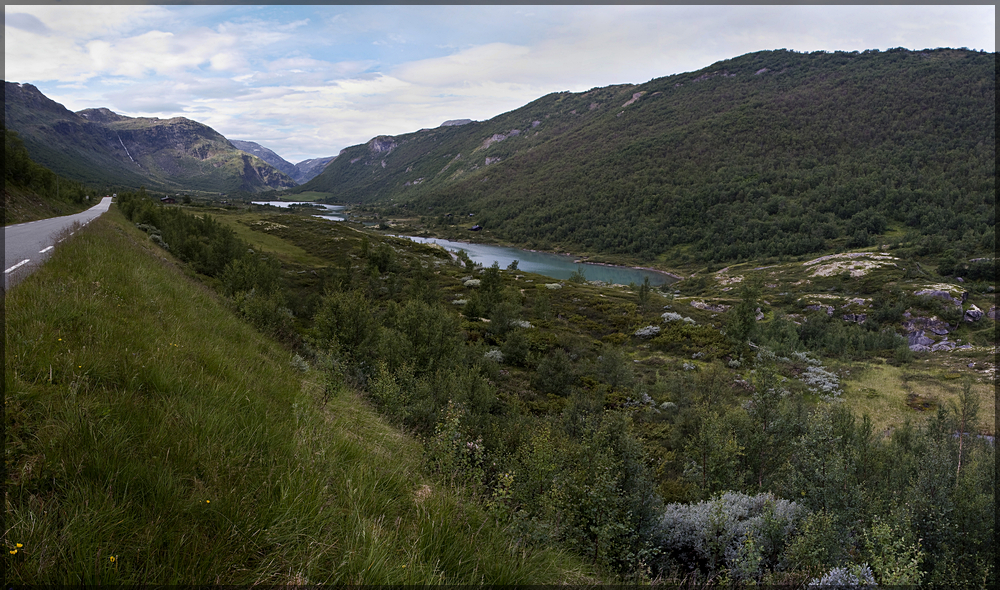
302 172
98 145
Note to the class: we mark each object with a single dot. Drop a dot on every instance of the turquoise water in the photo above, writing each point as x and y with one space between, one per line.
331 212
557 266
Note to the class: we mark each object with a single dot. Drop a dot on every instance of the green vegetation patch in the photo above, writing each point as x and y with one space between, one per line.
151 436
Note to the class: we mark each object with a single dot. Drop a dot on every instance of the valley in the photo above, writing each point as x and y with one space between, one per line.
811 393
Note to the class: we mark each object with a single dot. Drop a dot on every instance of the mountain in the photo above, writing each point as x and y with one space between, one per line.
774 153
304 171
265 154
100 146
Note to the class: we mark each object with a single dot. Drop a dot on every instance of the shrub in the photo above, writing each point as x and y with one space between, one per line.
853 576
555 373
739 533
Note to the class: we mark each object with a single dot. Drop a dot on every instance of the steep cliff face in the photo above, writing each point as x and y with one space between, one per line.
101 145
255 149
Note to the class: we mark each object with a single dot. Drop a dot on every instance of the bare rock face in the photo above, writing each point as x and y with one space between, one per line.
382 143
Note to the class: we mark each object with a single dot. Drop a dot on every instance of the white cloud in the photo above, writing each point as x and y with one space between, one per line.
310 80
86 22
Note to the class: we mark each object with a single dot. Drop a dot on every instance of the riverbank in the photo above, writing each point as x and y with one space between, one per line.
552 264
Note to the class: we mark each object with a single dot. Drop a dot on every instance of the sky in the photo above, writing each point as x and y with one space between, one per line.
308 81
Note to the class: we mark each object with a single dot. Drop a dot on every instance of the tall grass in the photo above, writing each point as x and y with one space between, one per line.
151 437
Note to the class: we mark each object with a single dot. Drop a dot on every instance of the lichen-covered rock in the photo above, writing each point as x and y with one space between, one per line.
973 314
647 332
937 293
671 316
709 307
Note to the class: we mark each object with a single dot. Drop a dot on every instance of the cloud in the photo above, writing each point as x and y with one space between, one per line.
25 22
87 22
309 80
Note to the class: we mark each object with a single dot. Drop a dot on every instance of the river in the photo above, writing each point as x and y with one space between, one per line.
557 266
331 212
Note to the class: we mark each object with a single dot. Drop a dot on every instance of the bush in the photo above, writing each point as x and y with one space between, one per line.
854 576
739 533
555 373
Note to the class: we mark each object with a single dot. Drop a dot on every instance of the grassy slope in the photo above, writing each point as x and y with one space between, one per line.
22 205
152 437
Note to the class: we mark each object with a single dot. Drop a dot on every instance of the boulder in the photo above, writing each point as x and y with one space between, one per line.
973 314
917 338
992 313
855 317
932 324
827 308
708 306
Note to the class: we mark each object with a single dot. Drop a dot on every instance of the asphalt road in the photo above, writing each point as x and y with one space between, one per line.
27 245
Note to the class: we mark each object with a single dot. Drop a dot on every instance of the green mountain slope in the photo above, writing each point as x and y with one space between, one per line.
99 146
33 192
771 153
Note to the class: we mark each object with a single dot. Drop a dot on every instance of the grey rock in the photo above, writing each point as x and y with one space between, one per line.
943 345
938 294
933 324
855 317
973 314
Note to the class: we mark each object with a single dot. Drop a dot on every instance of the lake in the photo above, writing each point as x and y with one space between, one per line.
557 266
331 212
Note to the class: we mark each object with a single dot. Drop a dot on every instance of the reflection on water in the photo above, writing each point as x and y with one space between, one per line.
557 266
331 212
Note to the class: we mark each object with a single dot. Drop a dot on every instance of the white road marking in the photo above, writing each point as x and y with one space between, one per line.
46 250
19 264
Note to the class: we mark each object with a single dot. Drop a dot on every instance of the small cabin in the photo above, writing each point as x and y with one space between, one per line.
168 200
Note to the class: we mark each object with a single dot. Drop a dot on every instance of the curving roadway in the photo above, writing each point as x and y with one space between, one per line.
27 245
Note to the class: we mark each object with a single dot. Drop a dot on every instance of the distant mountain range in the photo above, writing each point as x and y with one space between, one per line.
302 172
99 146
772 153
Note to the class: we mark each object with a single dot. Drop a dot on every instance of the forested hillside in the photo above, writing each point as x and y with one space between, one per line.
771 153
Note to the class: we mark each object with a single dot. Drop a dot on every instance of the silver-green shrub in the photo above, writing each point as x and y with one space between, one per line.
846 577
741 534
